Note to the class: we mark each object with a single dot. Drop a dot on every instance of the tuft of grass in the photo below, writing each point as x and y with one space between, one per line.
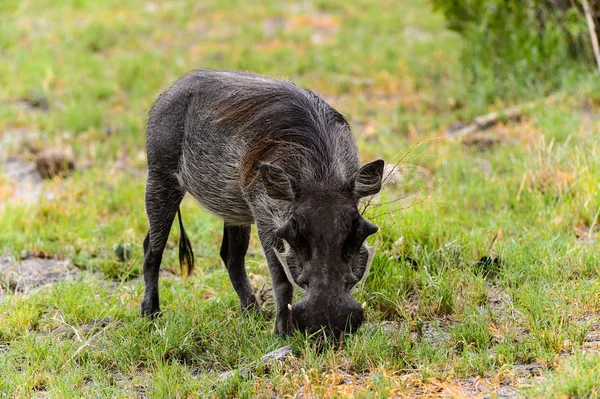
578 377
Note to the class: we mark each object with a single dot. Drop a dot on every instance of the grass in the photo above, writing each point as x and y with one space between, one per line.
438 317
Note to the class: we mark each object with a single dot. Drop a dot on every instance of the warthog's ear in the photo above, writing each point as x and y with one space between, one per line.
277 183
368 179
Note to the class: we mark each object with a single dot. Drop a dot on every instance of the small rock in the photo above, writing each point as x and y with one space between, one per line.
55 162
245 373
64 331
278 354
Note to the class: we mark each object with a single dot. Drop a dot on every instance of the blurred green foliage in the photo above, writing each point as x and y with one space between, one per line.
516 47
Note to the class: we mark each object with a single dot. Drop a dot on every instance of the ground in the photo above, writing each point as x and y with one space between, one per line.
486 281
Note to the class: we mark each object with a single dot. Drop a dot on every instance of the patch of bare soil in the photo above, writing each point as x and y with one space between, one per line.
510 378
25 162
32 272
591 342
34 102
472 387
506 384
24 182
135 383
435 332
586 234
500 305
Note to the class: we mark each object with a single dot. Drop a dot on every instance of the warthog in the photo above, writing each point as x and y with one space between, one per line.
252 149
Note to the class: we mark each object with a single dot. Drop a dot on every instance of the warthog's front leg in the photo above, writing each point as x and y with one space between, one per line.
282 288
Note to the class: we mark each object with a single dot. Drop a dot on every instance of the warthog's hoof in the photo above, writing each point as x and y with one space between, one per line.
283 325
148 310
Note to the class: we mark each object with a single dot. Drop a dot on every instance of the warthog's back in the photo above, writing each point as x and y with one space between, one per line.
221 125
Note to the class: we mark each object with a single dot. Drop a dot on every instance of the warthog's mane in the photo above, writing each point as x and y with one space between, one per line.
284 124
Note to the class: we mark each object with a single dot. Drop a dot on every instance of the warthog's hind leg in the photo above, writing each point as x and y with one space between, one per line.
163 197
233 251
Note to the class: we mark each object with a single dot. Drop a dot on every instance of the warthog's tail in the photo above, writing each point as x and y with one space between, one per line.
186 254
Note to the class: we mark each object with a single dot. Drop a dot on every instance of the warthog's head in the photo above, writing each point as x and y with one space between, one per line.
325 252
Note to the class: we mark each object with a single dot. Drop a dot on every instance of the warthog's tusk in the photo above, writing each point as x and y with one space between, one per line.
290 307
364 305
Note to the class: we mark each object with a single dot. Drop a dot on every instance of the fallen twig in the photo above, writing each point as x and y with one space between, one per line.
485 121
512 113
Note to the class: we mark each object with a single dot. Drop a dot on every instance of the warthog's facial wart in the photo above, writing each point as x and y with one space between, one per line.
283 259
370 254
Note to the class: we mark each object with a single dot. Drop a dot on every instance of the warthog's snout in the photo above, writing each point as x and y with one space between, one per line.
337 314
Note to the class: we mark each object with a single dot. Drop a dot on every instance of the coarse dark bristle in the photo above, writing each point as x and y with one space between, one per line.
278 115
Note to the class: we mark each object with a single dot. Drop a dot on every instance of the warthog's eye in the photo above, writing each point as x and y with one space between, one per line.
359 232
292 233
350 243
